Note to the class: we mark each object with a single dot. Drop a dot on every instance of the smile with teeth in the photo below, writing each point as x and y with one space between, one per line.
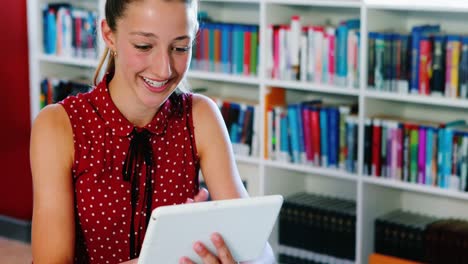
155 84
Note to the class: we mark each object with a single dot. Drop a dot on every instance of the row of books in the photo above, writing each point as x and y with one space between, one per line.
54 89
242 121
421 238
311 132
69 31
226 48
425 62
426 153
313 53
318 228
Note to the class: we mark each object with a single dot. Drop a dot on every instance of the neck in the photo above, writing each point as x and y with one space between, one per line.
128 103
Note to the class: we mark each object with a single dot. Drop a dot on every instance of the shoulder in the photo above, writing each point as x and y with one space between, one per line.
203 105
52 115
208 123
52 121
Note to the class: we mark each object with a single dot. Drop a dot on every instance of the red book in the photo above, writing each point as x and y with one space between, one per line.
217 49
247 44
376 147
425 62
307 128
315 130
199 47
206 49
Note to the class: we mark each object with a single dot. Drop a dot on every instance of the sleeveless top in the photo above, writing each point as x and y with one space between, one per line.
121 172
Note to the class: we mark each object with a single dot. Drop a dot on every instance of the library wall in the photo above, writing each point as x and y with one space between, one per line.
15 176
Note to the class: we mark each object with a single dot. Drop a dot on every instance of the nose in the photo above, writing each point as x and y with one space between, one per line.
162 64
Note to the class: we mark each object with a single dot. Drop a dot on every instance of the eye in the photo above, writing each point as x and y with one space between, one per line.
181 49
143 47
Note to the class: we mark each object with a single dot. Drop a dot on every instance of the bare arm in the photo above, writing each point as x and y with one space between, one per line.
214 148
218 167
51 156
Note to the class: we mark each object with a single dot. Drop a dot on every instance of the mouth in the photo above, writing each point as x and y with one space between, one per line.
155 86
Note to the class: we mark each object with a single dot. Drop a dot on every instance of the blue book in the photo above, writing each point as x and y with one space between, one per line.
294 133
234 113
447 160
342 54
51 33
463 88
285 146
211 50
240 122
300 128
333 136
226 47
235 55
351 132
324 148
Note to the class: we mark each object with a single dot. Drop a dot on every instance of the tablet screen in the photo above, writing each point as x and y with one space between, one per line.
245 225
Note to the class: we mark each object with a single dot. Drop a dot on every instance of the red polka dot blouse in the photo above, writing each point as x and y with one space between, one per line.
121 172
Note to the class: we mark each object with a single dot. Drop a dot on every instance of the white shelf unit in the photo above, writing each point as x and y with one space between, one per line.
373 196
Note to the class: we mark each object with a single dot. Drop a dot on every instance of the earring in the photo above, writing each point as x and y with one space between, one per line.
114 53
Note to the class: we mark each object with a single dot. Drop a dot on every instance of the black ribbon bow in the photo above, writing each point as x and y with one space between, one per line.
139 149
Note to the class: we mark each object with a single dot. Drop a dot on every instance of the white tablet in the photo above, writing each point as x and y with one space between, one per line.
245 224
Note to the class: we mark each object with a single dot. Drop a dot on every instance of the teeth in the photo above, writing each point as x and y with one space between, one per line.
154 83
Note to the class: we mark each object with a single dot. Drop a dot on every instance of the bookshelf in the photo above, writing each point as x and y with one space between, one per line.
373 196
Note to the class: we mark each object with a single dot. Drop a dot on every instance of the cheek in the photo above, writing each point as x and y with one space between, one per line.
132 59
182 62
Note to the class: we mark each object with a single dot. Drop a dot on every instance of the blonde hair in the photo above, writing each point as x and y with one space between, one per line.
115 10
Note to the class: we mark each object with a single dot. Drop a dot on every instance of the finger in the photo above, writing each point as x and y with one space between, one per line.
202 195
189 200
224 254
185 260
205 254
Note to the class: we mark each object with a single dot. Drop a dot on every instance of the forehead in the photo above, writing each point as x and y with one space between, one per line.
159 17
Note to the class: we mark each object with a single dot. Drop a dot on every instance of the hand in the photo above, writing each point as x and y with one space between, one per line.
223 253
201 196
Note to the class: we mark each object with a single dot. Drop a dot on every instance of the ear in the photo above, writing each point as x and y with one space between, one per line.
108 35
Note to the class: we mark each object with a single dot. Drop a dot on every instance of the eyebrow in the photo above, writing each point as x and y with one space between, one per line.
151 35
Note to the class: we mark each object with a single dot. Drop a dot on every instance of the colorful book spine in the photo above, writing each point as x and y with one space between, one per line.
414 150
367 168
437 82
333 138
344 112
425 57
428 156
452 64
421 155
463 91
254 51
293 128
316 134
376 147
371 57
342 49
324 130
379 61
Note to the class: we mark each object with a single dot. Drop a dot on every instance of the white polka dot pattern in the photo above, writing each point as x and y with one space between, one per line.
103 202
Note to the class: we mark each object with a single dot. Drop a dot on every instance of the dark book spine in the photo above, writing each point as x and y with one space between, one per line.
371 59
437 82
463 91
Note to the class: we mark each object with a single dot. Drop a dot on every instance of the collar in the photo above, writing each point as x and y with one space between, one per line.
117 123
